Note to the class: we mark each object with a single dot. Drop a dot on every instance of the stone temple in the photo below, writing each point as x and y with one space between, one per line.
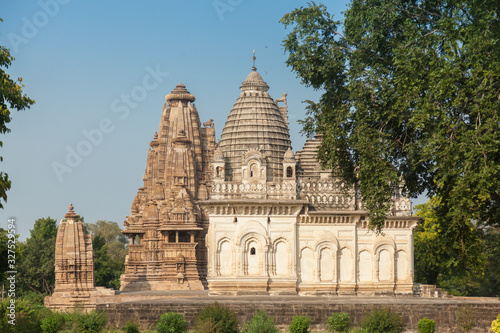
247 215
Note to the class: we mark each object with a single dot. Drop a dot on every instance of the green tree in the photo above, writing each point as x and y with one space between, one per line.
106 270
436 254
410 97
112 234
11 97
434 260
110 249
490 284
429 251
36 267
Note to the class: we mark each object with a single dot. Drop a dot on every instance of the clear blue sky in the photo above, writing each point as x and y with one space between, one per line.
81 59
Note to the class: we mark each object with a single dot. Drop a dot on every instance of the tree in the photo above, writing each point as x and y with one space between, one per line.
36 267
109 246
410 97
490 284
436 255
113 237
11 97
102 268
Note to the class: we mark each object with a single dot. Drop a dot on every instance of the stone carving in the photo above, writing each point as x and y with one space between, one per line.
209 123
282 99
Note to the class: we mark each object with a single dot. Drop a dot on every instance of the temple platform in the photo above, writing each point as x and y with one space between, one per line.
145 308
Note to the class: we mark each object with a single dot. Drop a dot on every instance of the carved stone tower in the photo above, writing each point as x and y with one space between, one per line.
166 228
74 259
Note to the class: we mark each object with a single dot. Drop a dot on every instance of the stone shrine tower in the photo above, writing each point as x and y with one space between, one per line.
166 228
74 267
74 257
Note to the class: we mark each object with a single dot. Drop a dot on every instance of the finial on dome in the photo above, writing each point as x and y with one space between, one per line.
71 213
253 58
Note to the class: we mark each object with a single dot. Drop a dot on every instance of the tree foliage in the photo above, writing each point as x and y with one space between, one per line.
109 252
477 272
410 93
113 237
36 267
11 97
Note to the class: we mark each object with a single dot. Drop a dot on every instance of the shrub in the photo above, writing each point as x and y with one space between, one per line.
207 326
92 322
495 325
382 321
131 328
171 322
216 318
261 323
300 324
426 325
466 318
339 322
52 323
28 318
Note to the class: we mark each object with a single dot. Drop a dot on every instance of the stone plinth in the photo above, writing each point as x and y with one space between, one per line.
284 308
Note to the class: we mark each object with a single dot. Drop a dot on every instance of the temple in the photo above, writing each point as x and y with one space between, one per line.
74 267
247 215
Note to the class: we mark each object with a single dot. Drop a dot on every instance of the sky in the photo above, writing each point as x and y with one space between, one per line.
99 72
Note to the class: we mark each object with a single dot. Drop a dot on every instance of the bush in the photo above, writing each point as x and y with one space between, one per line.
339 322
52 323
171 322
300 324
216 318
426 325
382 321
92 322
29 315
495 325
260 323
131 328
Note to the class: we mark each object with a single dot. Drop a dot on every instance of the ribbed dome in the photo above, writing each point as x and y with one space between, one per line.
255 121
254 82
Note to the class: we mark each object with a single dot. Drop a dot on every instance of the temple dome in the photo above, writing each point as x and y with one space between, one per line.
255 121
180 93
254 82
